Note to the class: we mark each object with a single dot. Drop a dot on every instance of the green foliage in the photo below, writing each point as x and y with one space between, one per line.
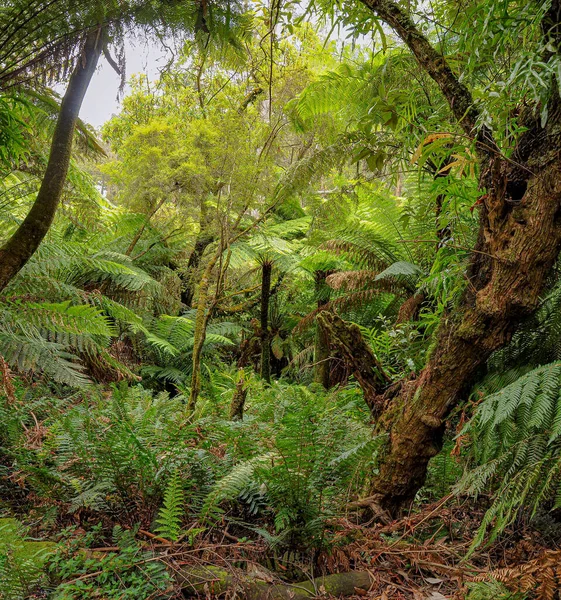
516 439
171 514
444 472
21 561
321 453
491 589
112 454
127 574
171 341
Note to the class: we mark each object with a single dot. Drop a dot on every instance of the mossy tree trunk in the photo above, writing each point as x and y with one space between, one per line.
518 242
238 399
348 341
266 269
205 237
196 581
29 235
201 322
321 350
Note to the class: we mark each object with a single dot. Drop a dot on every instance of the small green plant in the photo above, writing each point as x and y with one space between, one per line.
171 513
516 443
130 574
21 561
485 590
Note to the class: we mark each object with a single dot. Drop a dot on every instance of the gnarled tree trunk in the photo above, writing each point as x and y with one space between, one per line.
26 239
519 240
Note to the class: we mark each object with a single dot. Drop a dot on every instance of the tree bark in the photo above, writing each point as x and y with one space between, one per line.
202 242
29 235
356 353
321 351
518 242
201 321
238 399
265 334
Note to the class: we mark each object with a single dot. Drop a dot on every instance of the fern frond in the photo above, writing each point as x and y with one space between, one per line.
170 516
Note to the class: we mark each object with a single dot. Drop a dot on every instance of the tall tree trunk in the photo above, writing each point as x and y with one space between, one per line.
519 240
265 333
203 241
524 242
321 351
26 239
201 321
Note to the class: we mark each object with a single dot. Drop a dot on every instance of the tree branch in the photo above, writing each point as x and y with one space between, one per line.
458 96
346 337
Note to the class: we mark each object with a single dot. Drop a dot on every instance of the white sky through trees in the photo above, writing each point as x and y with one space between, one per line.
101 100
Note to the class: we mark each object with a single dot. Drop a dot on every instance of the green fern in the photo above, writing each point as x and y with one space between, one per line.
232 484
21 561
516 439
171 514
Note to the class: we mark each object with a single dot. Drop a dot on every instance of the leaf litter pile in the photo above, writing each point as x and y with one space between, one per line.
426 555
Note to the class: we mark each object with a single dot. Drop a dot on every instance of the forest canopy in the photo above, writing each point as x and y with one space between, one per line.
288 324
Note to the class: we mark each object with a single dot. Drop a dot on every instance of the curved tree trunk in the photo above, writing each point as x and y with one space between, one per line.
25 241
519 240
265 334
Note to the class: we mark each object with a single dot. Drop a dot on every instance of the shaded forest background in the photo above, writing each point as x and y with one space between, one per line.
289 324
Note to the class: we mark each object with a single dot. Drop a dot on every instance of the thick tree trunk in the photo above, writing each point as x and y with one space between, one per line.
25 241
519 240
521 244
265 334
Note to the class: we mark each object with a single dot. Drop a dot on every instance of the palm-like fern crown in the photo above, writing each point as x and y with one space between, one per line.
77 294
43 39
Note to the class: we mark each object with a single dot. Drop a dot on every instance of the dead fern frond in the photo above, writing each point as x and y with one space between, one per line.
7 382
540 576
350 280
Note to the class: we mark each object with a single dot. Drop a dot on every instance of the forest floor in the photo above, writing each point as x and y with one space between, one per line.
423 556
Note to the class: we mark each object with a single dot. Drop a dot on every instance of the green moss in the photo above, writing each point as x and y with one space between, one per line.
21 560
